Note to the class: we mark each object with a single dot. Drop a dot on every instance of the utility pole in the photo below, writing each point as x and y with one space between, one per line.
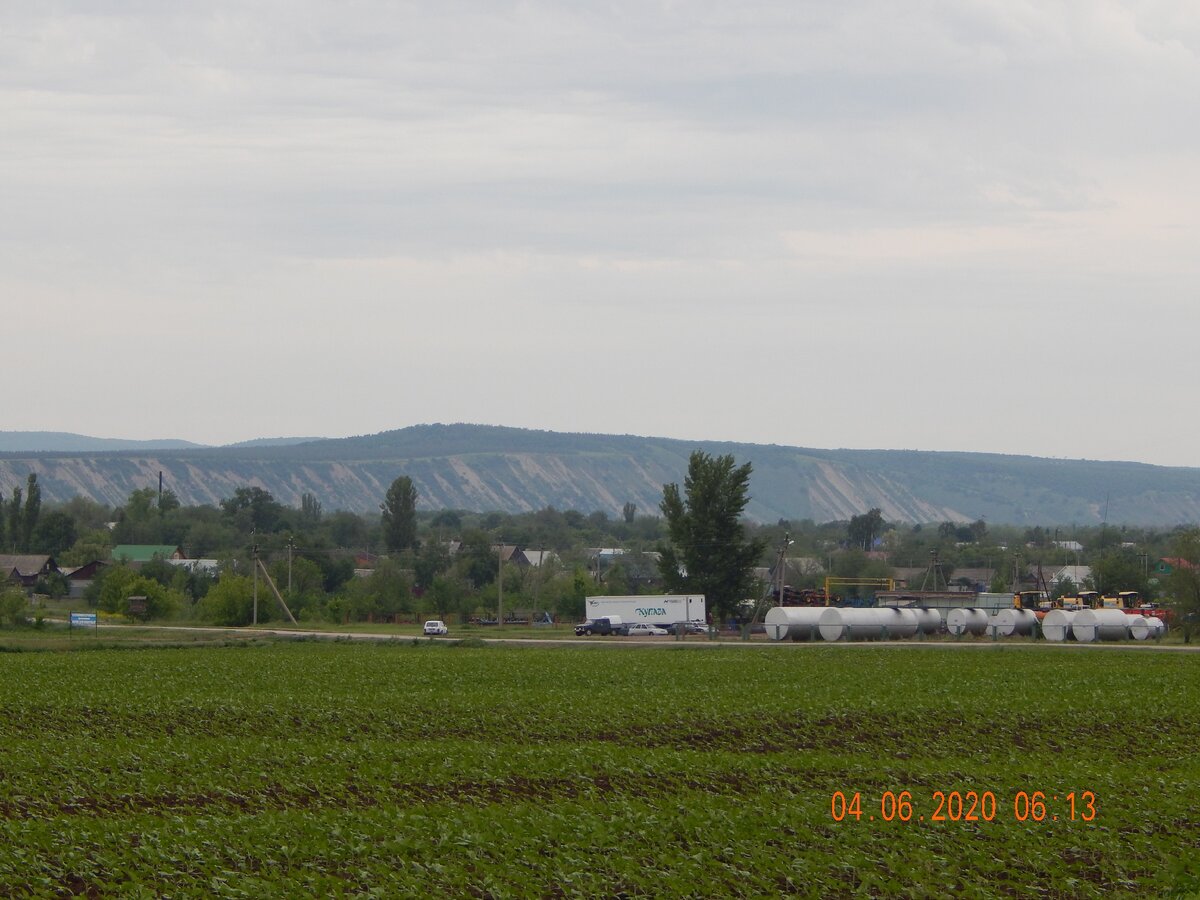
779 571
537 579
291 544
787 542
254 553
275 591
500 586
934 571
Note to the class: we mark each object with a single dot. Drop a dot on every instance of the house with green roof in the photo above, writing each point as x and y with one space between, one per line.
144 553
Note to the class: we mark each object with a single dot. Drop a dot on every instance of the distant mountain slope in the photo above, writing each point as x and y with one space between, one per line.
65 442
274 442
486 467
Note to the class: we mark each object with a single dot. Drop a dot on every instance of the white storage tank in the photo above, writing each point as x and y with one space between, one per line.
1013 622
1100 625
967 621
1143 628
1056 626
929 621
869 623
797 623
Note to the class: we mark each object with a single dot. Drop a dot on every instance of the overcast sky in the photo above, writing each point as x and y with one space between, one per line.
967 225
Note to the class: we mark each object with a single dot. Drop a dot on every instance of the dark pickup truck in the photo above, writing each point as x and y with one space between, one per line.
603 625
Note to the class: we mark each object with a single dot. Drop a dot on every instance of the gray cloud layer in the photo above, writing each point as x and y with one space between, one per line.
949 225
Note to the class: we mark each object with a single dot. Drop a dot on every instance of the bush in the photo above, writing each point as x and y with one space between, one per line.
54 585
120 583
231 602
14 607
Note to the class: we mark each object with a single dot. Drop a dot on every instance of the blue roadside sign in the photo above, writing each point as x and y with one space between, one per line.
83 620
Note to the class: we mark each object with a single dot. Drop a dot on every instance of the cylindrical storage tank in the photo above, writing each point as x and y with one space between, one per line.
830 624
871 623
797 623
929 621
966 621
1143 628
1100 625
900 623
1056 626
1010 622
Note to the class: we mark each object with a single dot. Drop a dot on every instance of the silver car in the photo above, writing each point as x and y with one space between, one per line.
641 629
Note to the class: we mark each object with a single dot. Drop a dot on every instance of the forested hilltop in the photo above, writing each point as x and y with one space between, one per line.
483 468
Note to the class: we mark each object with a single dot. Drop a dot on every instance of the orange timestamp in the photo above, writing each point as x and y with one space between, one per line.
967 806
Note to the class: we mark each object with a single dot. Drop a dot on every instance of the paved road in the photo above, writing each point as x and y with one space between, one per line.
693 642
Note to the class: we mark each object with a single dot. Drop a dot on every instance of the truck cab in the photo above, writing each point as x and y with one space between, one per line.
1033 600
1123 600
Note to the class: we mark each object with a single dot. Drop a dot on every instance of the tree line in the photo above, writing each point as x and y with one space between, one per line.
449 562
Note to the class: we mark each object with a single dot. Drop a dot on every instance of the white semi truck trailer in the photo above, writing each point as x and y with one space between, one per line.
664 610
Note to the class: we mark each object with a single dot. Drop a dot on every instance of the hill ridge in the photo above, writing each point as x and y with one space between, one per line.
483 467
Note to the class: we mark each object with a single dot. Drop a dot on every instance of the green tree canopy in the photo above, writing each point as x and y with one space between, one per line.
1121 570
54 534
253 509
863 529
1184 580
399 509
475 561
310 509
138 521
383 594
709 553
432 561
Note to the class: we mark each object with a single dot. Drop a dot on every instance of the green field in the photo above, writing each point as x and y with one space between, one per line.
420 769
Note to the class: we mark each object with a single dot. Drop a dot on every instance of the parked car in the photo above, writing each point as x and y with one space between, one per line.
436 626
641 629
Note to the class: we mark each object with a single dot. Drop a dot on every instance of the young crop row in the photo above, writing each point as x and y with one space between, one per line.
345 769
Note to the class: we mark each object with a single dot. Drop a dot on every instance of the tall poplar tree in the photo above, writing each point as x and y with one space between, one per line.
399 509
709 553
14 520
33 509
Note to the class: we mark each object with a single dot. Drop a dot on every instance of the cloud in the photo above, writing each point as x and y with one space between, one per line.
539 188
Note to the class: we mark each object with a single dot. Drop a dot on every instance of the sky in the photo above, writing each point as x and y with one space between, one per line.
967 225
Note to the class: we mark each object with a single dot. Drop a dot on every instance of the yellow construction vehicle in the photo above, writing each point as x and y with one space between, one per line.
1034 600
1122 600
1082 600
